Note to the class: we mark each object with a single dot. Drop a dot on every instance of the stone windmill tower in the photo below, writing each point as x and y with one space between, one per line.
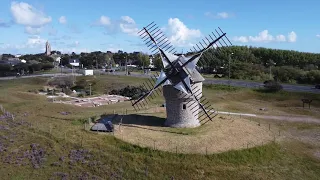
178 105
181 81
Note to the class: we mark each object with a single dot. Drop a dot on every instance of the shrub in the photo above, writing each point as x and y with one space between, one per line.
272 86
61 82
130 91
47 66
67 91
35 67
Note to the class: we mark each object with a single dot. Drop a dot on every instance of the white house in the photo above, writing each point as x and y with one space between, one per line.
74 62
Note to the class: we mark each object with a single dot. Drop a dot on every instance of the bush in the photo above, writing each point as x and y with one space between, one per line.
67 91
35 67
61 82
130 91
47 66
272 86
310 77
286 74
5 67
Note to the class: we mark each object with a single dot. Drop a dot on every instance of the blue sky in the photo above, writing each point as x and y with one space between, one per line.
104 25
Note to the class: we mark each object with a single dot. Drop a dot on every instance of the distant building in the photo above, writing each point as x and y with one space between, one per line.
48 49
74 62
88 72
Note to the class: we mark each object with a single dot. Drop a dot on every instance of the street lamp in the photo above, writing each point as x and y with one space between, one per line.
126 67
229 67
270 65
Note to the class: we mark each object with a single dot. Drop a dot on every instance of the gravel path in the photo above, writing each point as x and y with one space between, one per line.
304 119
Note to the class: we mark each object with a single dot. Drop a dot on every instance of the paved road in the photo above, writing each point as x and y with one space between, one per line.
38 75
238 83
241 83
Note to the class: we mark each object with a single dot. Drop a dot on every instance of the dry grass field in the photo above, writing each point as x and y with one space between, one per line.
47 140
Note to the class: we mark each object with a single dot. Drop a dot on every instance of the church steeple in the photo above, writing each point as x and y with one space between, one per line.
48 48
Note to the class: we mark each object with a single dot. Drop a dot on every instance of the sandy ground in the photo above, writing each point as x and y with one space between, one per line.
223 134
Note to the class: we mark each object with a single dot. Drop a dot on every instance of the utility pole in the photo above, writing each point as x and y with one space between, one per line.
229 68
126 65
72 75
90 88
270 66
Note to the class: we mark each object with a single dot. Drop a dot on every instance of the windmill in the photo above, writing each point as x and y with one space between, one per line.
180 79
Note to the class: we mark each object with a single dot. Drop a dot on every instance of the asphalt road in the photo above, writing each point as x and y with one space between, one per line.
238 83
241 83
38 75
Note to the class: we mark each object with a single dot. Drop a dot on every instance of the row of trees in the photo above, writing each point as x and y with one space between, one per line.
255 64
100 59
23 68
245 62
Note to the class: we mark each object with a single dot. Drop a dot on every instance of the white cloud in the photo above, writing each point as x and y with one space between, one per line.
128 19
33 44
219 15
27 15
104 21
242 39
265 37
32 30
128 26
281 38
63 20
292 37
35 41
318 35
180 33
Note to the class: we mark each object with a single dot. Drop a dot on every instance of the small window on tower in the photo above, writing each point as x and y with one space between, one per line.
184 106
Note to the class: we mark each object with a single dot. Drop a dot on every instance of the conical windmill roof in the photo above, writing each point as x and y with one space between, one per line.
196 77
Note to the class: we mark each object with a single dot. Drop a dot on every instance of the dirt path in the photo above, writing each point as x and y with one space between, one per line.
304 119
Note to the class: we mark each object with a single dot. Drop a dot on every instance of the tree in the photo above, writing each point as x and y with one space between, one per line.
157 62
144 59
64 60
5 67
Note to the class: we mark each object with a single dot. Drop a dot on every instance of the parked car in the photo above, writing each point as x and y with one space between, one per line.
317 86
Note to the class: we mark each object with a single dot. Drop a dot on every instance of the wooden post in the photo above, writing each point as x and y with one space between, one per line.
176 149
269 127
206 151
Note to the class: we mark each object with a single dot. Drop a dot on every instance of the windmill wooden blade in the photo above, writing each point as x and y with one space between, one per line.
153 38
162 79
